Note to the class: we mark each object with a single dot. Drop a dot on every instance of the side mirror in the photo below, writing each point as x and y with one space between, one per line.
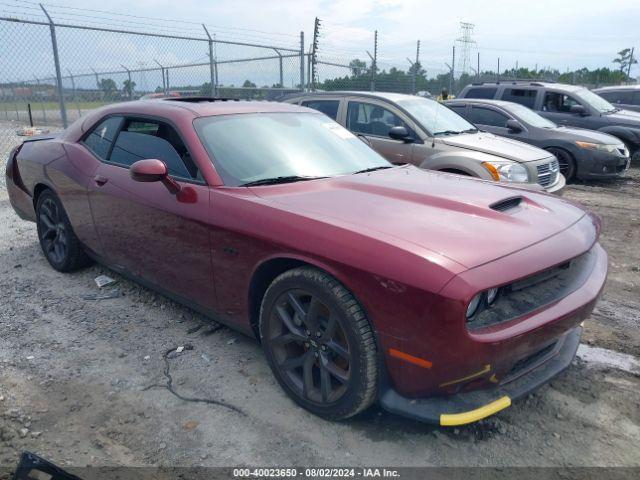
514 125
400 133
578 110
153 170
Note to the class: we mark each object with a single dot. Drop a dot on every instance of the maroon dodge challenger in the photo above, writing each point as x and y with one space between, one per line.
441 297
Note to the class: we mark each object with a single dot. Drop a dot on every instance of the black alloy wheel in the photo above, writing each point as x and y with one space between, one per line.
319 343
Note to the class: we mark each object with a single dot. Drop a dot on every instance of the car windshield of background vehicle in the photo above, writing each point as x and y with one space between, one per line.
529 116
435 117
596 101
248 148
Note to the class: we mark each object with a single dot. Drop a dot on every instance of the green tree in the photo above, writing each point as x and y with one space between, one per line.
248 84
625 59
108 86
127 87
358 67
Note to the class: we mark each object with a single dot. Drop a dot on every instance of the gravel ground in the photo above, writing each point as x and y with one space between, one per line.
82 379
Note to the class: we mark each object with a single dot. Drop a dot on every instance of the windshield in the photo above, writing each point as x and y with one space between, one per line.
529 116
595 101
248 148
434 117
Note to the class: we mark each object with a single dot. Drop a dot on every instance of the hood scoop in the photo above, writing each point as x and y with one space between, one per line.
506 204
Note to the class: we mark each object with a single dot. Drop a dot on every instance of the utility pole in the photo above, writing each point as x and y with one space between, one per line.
302 61
414 68
498 69
314 53
374 61
453 70
478 70
130 89
630 62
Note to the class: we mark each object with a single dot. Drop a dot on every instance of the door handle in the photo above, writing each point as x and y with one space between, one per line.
100 180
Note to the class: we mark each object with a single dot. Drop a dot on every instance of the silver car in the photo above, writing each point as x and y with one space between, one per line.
411 129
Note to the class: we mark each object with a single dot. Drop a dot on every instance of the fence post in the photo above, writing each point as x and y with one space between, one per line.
56 61
164 82
374 61
280 61
73 92
44 111
130 89
302 61
212 75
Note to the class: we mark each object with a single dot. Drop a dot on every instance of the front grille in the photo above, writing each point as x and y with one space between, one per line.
533 292
548 173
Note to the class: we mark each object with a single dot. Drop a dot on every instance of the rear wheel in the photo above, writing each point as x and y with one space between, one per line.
566 162
59 243
319 343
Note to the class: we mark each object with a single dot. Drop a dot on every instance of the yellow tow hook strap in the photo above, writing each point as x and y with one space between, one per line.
452 419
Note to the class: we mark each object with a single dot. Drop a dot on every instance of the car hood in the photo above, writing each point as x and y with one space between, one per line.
492 144
447 214
625 117
582 134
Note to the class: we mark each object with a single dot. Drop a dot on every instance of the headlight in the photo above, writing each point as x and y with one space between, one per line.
492 294
473 305
598 146
507 172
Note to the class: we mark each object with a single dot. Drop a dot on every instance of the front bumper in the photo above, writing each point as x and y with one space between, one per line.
603 165
463 408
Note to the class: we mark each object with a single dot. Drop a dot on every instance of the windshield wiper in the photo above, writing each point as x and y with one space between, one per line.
448 132
276 180
470 130
373 169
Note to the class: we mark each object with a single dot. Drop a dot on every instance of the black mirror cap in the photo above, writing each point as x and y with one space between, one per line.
400 133
579 110
514 125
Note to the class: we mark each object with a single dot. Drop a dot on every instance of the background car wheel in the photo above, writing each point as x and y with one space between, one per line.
634 153
59 243
566 161
319 343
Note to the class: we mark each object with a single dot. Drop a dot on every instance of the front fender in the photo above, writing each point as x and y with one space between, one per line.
629 135
466 161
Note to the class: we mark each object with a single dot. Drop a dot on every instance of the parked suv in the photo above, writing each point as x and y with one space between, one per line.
581 153
566 105
411 129
626 97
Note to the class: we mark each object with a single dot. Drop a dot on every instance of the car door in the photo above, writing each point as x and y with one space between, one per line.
373 120
556 106
152 234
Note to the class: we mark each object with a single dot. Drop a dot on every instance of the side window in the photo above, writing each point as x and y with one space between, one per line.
558 102
618 97
526 97
370 119
460 110
328 107
141 139
636 98
485 116
100 138
481 92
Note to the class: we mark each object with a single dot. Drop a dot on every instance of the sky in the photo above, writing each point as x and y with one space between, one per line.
563 34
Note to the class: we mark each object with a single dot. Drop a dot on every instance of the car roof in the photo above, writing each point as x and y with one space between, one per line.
528 83
617 87
486 101
389 96
201 106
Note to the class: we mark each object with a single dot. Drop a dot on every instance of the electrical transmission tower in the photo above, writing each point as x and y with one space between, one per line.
466 43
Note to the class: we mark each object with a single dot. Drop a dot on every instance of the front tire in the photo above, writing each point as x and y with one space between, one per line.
319 343
59 243
566 162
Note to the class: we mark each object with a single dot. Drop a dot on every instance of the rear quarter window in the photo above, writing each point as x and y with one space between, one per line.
328 107
102 135
481 92
523 96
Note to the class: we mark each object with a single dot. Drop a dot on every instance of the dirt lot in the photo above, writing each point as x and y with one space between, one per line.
81 378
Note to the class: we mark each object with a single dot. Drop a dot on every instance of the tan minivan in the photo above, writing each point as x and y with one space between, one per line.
411 129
